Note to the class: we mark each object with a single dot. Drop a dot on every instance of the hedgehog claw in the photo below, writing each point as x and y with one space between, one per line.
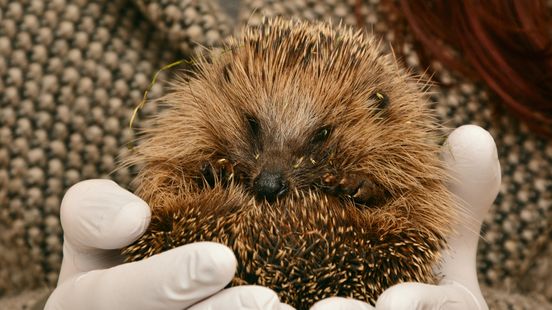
361 190
328 179
224 168
221 170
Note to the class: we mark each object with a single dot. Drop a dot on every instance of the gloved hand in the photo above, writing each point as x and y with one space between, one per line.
471 158
99 218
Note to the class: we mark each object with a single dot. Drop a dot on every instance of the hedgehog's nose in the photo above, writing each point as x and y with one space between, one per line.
269 185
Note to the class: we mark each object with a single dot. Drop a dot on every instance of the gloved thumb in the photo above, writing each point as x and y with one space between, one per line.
99 214
99 217
175 279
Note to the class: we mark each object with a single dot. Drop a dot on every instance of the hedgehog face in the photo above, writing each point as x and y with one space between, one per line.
301 140
292 142
282 155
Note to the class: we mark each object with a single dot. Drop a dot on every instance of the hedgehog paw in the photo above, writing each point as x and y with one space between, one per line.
221 170
362 190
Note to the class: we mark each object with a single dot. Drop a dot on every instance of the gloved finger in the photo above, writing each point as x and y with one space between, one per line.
174 279
242 297
472 160
473 164
411 296
99 214
341 303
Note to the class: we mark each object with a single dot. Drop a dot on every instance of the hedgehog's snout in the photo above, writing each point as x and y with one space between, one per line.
269 185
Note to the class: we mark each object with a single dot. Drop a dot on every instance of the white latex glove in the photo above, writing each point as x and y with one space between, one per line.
471 158
99 218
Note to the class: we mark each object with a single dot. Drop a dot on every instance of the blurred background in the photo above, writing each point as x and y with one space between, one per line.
72 71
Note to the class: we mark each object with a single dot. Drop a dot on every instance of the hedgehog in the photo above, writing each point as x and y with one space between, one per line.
307 150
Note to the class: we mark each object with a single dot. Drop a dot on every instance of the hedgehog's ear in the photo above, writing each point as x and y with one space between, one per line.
381 100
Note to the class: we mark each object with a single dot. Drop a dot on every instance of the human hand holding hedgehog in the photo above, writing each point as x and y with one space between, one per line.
99 217
316 160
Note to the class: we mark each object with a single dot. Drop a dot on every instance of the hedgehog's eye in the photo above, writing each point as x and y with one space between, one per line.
254 126
381 99
321 135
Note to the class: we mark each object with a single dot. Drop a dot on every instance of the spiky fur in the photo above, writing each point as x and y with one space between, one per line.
294 78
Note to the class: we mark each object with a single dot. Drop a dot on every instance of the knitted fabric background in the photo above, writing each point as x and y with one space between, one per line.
71 72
